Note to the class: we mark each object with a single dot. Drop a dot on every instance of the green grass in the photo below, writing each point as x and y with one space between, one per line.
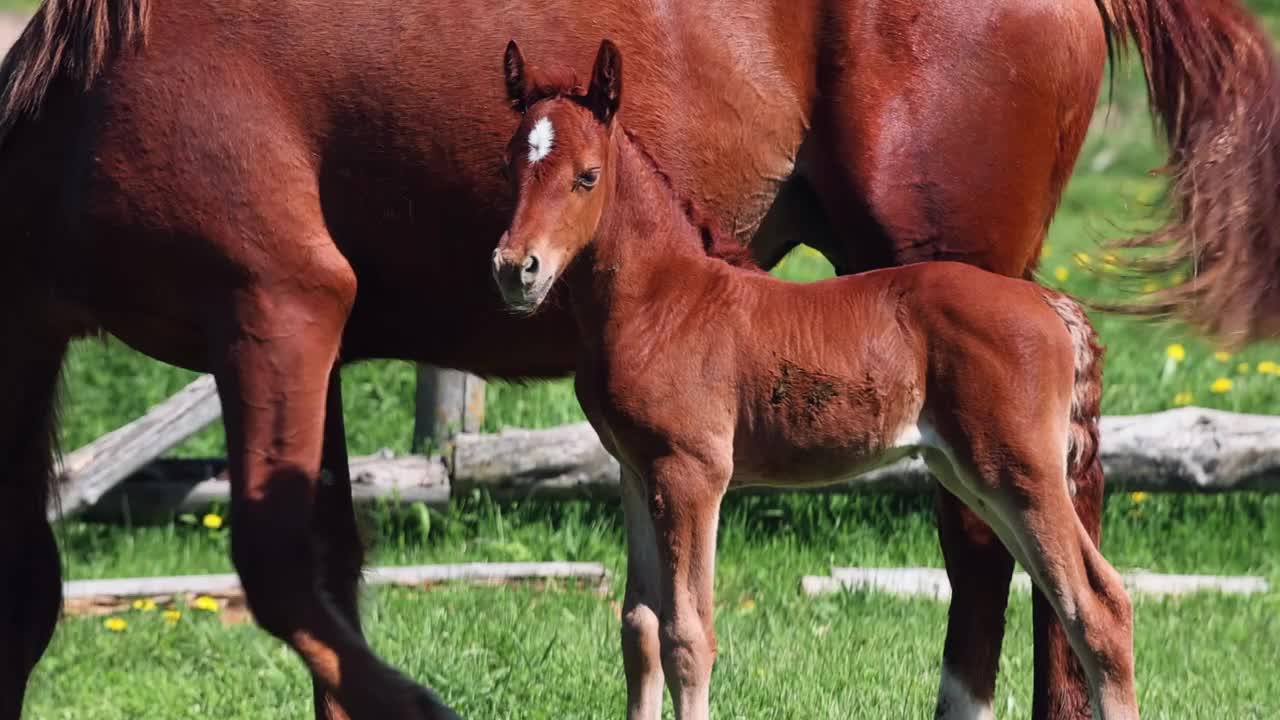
554 655
517 652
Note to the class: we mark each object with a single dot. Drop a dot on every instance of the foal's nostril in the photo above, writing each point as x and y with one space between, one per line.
529 271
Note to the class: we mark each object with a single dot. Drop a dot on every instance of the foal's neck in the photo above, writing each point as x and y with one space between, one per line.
644 235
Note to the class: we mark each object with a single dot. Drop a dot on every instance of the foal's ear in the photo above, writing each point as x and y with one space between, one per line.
514 73
605 93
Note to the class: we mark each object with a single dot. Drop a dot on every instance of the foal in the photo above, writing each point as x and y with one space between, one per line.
700 376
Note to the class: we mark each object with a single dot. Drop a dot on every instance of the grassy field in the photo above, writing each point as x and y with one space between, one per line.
524 653
521 653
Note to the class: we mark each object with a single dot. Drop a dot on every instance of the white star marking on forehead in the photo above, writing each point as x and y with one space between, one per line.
541 138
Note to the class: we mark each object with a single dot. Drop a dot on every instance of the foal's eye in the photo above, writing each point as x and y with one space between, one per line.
586 179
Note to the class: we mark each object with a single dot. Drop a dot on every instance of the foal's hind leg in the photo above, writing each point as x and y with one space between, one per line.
30 575
641 605
340 552
273 374
1032 512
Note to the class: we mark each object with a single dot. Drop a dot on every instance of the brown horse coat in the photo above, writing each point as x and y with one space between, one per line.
266 189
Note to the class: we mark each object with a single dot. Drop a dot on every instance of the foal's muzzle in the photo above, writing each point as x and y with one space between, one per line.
523 281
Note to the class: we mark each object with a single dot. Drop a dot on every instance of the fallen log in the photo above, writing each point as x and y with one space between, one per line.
171 487
227 585
87 474
558 463
932 583
1184 450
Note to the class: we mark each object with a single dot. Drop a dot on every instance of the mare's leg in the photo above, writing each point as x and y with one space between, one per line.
685 497
30 574
641 607
339 549
911 168
979 569
273 369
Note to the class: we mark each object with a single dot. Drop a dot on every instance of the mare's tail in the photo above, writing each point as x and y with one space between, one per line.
1214 84
66 41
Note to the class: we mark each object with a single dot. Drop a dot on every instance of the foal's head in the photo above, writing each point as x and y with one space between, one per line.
559 161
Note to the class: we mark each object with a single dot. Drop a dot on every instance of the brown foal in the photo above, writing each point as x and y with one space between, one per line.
700 376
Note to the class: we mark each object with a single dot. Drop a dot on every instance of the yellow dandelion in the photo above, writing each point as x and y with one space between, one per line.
1267 367
1046 251
747 604
1150 286
1222 356
145 605
212 521
206 603
115 624
1243 368
172 616
1139 496
1177 278
1221 385
1061 273
1176 352
1083 259
1183 398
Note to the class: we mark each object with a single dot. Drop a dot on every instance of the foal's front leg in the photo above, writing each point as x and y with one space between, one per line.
641 605
685 504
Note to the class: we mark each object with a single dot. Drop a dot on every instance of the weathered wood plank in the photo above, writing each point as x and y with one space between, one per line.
222 585
169 487
89 472
933 583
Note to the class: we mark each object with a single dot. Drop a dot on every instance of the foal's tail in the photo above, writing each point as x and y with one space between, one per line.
1084 469
68 41
1214 83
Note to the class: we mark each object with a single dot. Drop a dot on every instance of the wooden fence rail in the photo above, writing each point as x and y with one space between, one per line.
120 476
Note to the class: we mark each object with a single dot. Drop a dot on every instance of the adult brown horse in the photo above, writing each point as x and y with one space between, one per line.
265 190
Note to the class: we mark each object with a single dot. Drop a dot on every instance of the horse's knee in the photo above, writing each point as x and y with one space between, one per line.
640 632
687 651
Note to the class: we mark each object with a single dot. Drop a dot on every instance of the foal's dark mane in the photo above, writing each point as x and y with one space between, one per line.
563 84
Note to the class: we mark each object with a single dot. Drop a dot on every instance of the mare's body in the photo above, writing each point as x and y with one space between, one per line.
266 190
699 375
